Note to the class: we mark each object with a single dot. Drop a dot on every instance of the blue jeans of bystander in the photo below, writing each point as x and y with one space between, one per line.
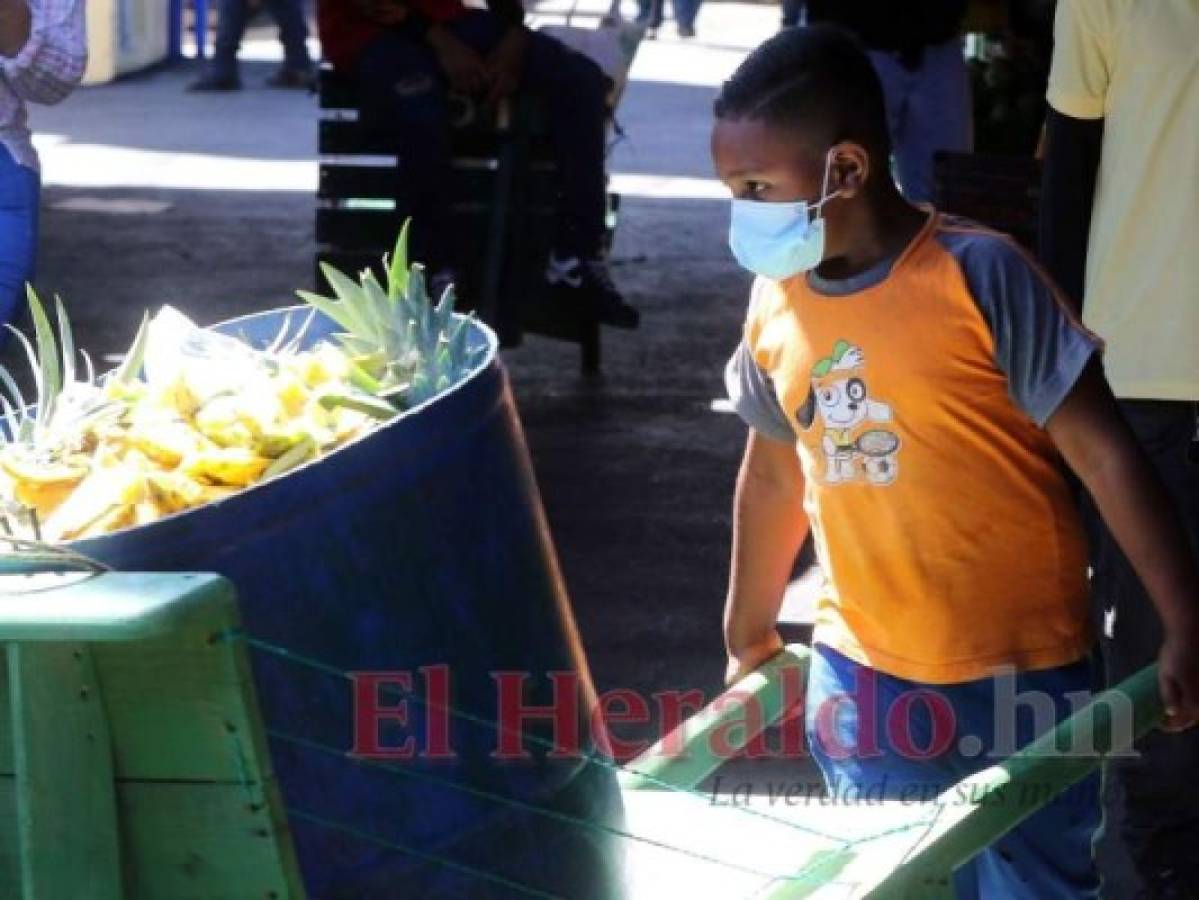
20 189
928 109
231 27
651 12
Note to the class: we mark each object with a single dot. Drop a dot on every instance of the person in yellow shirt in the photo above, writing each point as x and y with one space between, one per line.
1120 232
915 388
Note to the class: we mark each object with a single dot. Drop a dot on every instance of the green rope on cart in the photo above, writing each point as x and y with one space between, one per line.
813 870
590 757
501 799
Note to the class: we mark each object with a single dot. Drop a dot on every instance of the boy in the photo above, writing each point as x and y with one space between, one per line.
913 385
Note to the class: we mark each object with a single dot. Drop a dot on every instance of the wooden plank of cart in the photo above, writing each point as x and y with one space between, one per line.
874 850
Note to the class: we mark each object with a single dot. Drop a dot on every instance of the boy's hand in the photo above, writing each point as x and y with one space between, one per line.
746 658
1098 445
1178 677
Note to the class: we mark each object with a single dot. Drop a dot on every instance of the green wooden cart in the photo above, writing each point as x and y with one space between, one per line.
133 764
844 850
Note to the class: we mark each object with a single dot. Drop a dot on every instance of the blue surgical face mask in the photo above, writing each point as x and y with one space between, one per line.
779 240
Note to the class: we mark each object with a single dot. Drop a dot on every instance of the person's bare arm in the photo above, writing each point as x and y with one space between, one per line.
1099 446
1072 151
769 527
15 23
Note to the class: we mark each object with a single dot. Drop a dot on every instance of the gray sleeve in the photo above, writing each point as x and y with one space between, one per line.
753 397
1039 344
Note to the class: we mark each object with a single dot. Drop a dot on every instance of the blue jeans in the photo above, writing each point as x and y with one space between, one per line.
651 12
404 97
928 109
231 27
890 744
20 189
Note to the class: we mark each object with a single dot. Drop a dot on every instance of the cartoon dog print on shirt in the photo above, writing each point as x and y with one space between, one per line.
852 445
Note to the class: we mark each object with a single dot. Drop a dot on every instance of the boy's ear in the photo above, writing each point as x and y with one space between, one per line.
807 413
851 168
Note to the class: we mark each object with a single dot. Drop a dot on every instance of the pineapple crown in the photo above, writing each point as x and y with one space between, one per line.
404 347
63 403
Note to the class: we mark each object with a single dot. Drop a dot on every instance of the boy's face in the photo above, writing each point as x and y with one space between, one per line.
760 162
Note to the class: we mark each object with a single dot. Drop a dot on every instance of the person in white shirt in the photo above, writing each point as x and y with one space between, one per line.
1119 219
43 52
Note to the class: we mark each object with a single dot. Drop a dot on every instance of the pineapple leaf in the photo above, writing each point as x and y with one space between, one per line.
293 346
363 403
352 300
356 346
14 392
445 309
416 297
66 341
457 348
46 358
330 308
420 309
11 425
29 423
362 379
397 265
280 338
376 302
396 393
295 456
131 366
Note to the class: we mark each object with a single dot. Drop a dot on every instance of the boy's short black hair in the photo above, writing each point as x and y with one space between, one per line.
818 78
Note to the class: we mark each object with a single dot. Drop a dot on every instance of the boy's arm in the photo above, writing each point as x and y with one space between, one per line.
1097 444
769 527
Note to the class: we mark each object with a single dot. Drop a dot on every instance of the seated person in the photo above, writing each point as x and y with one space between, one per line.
408 54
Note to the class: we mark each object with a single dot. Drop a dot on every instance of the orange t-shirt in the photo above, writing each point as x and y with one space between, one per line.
916 395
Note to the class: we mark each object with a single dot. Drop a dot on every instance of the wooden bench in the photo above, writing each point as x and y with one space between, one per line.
504 193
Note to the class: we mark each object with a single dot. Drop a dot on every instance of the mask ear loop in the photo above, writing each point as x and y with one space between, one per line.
825 197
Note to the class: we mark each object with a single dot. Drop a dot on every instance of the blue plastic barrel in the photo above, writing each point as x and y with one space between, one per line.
423 544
